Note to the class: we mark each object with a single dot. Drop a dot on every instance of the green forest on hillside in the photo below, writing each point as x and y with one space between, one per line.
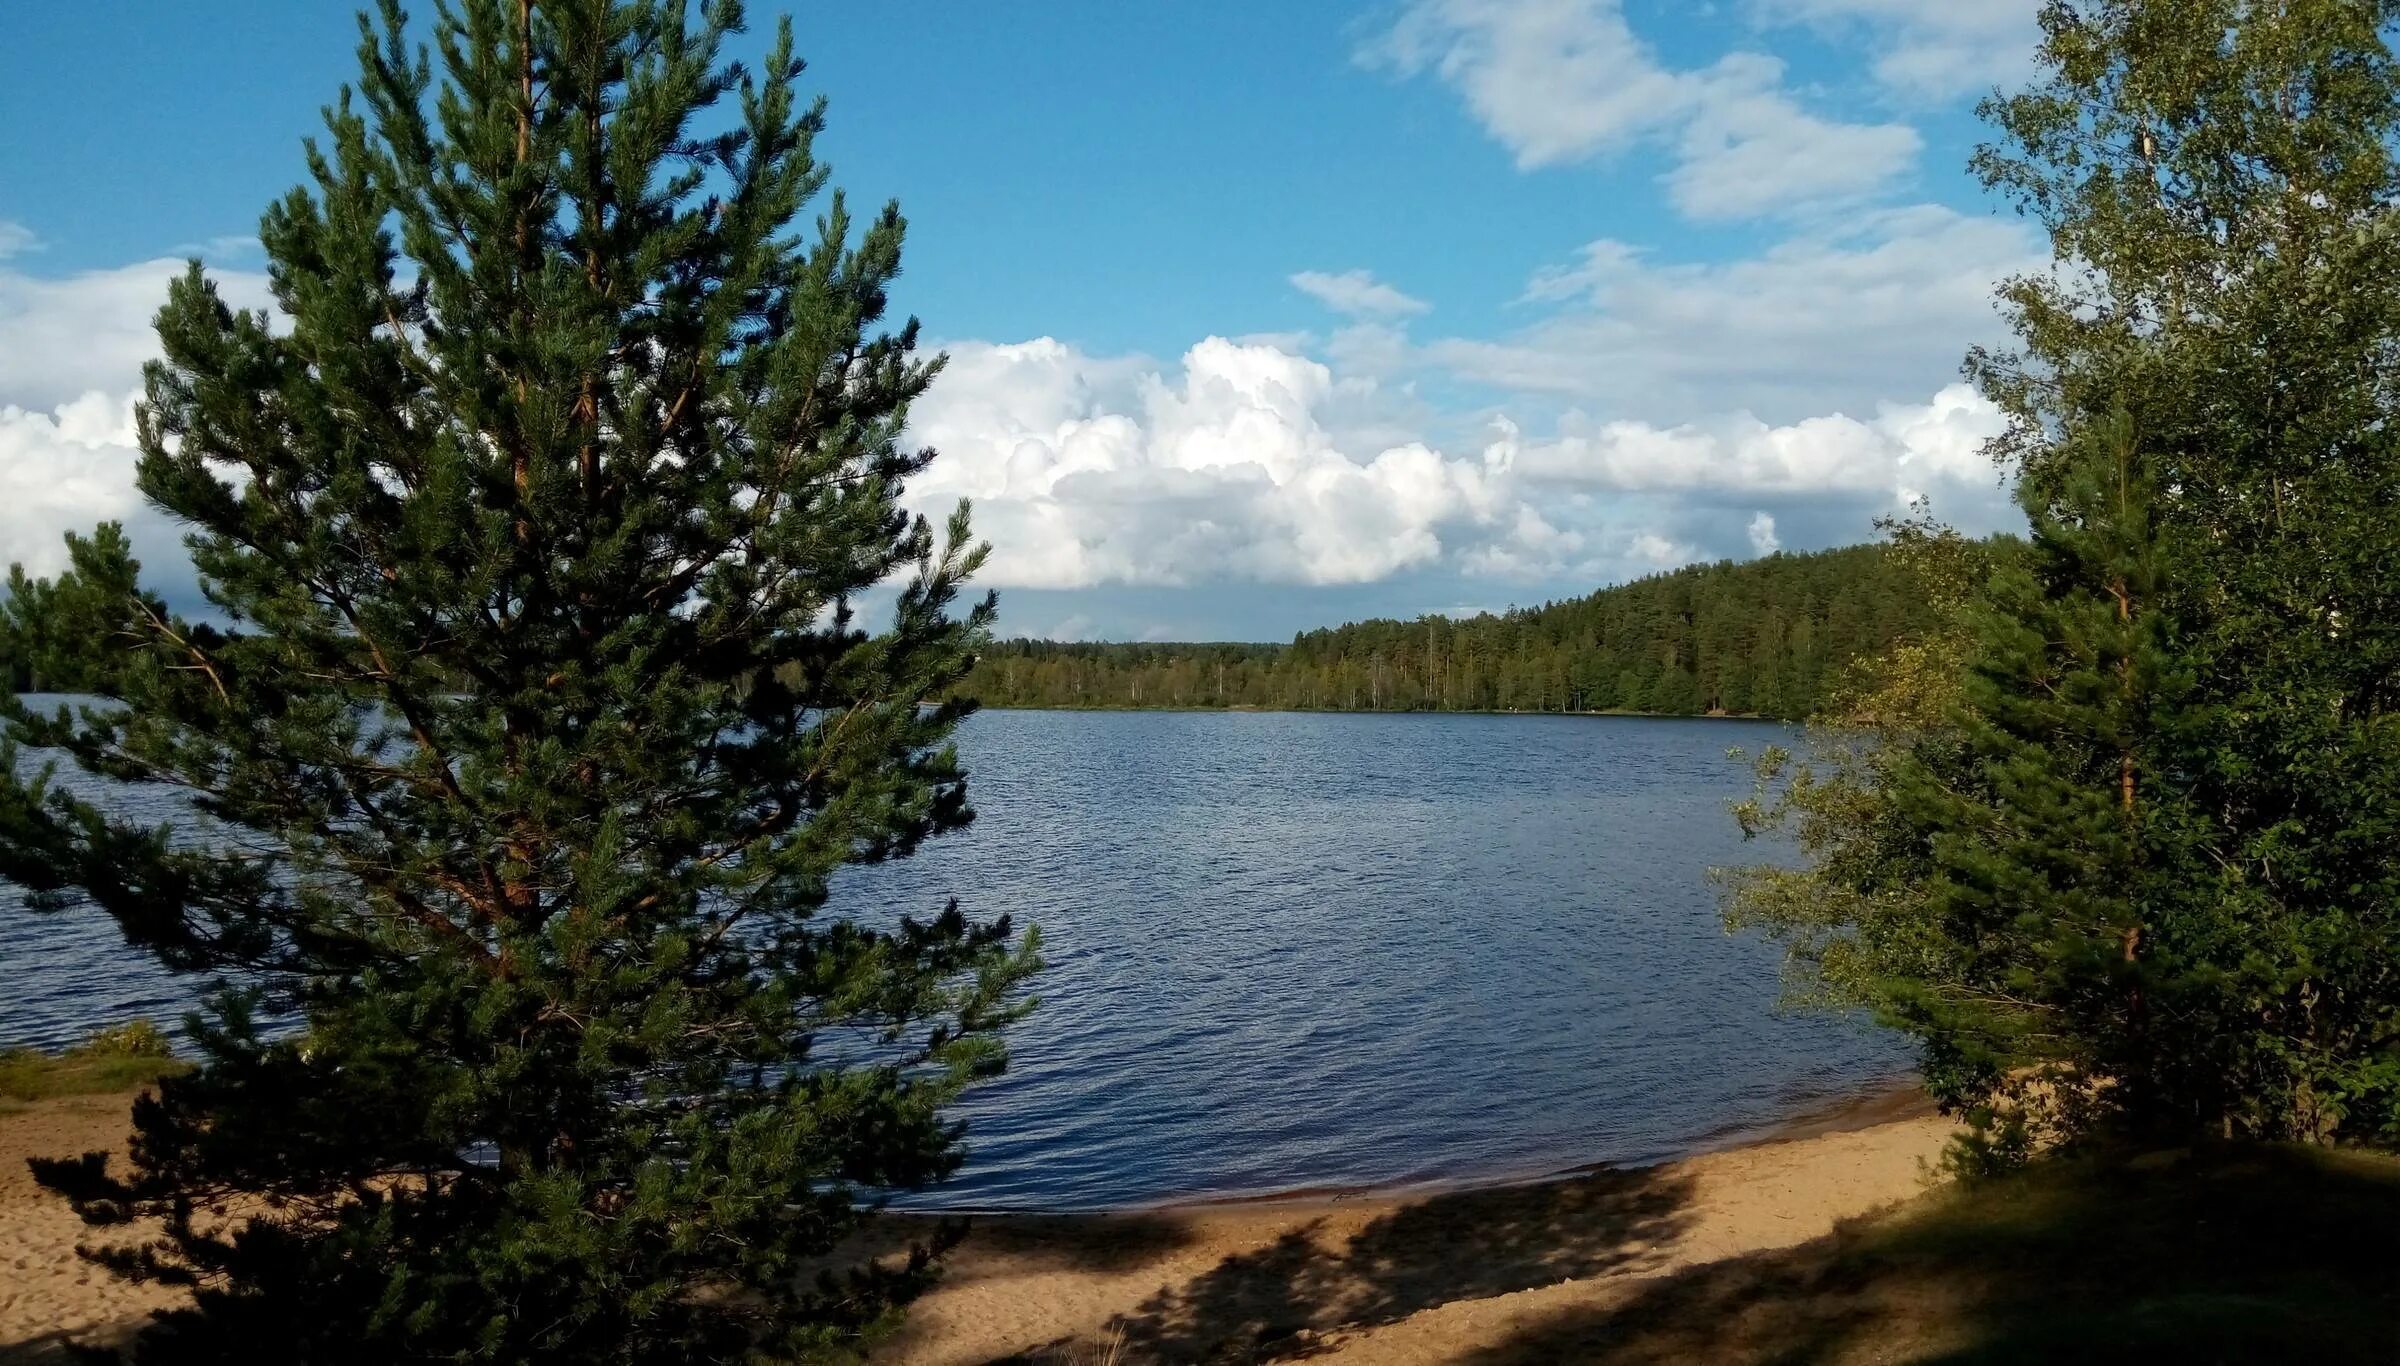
1765 637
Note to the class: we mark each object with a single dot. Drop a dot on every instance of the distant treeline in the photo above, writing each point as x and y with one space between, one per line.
1765 637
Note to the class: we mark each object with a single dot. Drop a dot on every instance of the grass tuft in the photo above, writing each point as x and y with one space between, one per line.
123 1057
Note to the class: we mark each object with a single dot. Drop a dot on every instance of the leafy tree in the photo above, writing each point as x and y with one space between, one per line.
2218 181
56 635
2222 178
1853 910
537 731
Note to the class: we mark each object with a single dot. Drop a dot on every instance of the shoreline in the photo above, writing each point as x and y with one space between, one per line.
1411 1275
1251 709
1863 1107
1417 1272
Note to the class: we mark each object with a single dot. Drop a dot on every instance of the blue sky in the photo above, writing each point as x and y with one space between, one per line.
1509 297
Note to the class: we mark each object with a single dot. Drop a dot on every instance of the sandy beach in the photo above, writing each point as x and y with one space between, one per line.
1401 1277
1385 1277
48 1295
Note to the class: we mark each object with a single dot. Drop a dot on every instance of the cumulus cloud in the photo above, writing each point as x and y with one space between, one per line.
1102 470
67 469
1357 293
1660 413
1929 49
1904 450
71 354
1559 81
63 338
16 239
1090 471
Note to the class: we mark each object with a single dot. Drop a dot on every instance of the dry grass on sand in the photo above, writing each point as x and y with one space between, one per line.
111 1062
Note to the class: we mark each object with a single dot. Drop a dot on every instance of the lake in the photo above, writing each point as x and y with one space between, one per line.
1304 951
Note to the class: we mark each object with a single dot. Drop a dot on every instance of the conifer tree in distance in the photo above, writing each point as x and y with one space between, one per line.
535 727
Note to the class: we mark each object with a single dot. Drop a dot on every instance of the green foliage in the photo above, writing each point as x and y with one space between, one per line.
1763 638
534 730
2137 869
1851 909
2225 173
63 635
2051 886
112 1060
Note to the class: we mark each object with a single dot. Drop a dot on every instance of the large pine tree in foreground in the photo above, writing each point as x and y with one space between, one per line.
533 727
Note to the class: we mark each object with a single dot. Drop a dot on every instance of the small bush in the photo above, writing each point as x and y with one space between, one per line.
133 1039
1994 1143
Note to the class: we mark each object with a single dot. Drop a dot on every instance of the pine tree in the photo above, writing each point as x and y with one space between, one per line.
48 640
537 728
2052 878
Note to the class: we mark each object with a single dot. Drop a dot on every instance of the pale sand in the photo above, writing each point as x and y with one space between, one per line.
1400 1278
47 1293
1371 1278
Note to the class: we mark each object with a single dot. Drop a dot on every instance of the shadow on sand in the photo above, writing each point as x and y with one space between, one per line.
1276 1302
59 1349
2239 1256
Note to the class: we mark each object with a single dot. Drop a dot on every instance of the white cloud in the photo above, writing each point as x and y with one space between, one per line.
63 470
1763 539
1697 400
1090 471
1748 149
65 337
1838 318
1906 449
1103 470
1553 80
1560 81
1076 626
1357 293
71 354
1930 49
16 239
1658 552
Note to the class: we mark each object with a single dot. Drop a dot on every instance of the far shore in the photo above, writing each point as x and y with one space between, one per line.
1390 711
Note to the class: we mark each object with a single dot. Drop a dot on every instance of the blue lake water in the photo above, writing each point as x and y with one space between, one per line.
1303 950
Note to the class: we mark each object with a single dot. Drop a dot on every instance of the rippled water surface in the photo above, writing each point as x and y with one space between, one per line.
1304 950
